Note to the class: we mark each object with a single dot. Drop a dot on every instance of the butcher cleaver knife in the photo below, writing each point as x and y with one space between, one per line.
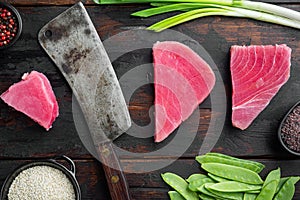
72 42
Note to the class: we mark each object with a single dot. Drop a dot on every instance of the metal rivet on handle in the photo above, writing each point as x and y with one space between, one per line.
115 179
105 152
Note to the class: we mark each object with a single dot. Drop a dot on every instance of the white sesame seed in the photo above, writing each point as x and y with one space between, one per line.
41 183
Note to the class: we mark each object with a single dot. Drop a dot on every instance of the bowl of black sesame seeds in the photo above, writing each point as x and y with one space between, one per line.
10 25
43 180
289 130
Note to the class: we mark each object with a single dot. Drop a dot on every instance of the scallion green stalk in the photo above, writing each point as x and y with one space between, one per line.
159 4
187 16
201 8
169 8
222 11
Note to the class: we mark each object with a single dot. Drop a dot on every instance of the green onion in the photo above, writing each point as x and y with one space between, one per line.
193 9
159 4
271 9
187 16
167 8
219 2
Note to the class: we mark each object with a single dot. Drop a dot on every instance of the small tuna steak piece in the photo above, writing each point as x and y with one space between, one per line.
182 80
33 96
257 74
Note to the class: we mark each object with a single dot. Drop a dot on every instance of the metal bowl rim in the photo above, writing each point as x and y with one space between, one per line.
51 163
280 126
20 24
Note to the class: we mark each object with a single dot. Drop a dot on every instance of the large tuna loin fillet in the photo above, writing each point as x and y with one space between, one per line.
257 74
182 80
33 96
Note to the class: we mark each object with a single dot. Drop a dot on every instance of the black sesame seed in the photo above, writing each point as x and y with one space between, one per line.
290 131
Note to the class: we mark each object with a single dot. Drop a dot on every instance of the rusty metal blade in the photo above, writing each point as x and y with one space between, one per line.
72 42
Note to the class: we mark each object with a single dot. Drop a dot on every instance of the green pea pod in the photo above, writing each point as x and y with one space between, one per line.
206 197
233 186
259 165
195 177
268 191
180 185
287 190
193 185
224 159
175 195
253 192
233 173
249 196
294 179
227 195
217 178
273 175
281 182
205 191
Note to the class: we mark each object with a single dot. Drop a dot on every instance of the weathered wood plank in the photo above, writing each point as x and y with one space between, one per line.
45 2
144 193
22 138
149 193
91 2
186 167
19 132
144 185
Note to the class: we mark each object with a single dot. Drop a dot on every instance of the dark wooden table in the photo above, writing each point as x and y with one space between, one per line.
22 140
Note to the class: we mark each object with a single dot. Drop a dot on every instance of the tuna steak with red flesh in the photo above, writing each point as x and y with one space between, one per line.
33 96
257 74
182 80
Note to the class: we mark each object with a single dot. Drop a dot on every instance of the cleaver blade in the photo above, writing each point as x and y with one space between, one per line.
74 45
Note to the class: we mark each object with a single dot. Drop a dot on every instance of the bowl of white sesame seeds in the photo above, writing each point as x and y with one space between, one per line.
42 180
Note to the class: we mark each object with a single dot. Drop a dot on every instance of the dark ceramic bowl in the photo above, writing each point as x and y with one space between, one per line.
18 19
70 173
280 131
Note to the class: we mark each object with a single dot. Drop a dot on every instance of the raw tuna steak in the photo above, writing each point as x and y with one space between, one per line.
257 73
182 80
33 96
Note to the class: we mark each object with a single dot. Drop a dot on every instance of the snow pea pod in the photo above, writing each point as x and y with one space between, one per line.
193 185
175 195
258 164
220 158
180 185
253 192
273 175
195 177
205 191
233 186
268 191
281 182
294 179
217 178
206 197
227 195
233 173
287 190
249 196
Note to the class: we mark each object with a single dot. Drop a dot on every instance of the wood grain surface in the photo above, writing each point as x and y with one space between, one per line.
22 140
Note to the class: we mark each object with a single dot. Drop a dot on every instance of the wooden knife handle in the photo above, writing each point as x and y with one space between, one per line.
115 178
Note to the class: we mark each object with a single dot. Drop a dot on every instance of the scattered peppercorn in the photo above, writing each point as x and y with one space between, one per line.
290 130
8 26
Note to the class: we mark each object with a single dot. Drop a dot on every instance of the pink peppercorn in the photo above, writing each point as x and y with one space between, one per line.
8 25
